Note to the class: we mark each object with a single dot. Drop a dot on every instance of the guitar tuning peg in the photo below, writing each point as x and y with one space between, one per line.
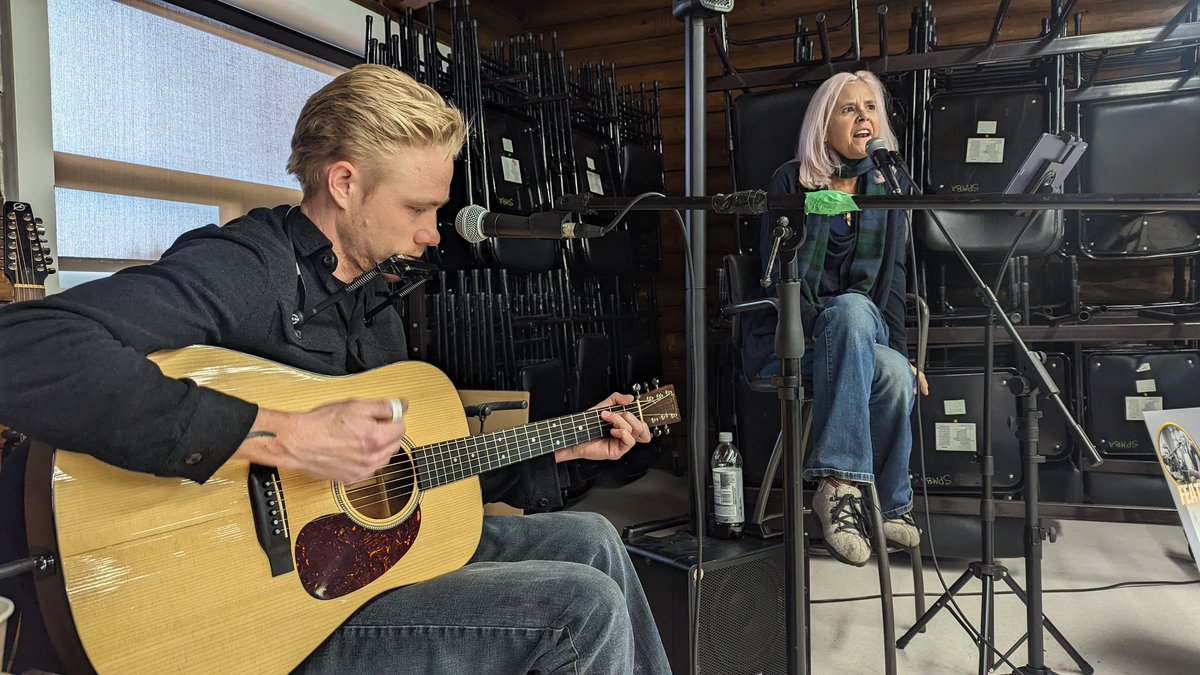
50 270
637 388
654 382
657 431
667 431
37 221
41 231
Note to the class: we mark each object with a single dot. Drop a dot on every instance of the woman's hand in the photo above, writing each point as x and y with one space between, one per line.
922 384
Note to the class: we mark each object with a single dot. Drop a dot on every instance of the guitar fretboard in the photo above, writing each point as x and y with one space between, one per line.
449 461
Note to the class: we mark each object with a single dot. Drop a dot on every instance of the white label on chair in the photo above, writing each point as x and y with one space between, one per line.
511 168
956 437
1144 368
1135 406
591 163
1146 386
594 183
955 406
985 127
985 151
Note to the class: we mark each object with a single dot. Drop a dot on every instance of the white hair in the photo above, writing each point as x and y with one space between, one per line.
818 161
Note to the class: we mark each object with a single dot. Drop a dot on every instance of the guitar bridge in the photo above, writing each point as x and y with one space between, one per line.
270 518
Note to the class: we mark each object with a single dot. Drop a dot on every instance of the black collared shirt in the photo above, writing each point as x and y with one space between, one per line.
74 372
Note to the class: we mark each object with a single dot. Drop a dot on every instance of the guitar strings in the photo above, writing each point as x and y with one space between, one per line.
438 463
433 462
387 496
436 460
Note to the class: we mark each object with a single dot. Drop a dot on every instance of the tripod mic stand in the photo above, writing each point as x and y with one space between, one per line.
1034 379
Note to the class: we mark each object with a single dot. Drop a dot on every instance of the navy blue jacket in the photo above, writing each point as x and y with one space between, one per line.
888 293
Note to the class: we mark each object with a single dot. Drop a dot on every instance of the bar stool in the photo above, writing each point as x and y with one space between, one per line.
758 525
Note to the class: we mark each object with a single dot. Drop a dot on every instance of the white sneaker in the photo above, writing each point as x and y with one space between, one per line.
839 508
902 531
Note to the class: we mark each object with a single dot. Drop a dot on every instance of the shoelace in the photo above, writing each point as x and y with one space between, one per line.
847 513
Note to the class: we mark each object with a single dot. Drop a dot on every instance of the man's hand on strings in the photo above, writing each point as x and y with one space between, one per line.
627 431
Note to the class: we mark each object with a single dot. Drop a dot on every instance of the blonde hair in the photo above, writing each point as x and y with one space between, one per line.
817 160
365 114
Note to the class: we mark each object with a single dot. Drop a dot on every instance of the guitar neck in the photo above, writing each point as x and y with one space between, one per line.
449 461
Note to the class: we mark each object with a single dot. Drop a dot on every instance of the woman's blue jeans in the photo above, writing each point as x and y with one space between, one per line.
862 399
544 593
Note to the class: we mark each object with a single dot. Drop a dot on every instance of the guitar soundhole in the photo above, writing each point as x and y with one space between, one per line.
391 492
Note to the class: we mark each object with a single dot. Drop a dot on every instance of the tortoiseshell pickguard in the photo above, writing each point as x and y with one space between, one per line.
336 556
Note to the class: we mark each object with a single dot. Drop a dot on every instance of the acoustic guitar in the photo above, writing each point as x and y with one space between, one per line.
252 570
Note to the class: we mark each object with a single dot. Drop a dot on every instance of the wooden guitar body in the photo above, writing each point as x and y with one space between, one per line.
164 575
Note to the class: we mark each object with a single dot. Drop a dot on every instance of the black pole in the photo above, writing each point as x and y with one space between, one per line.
987 501
1028 433
695 290
753 202
789 346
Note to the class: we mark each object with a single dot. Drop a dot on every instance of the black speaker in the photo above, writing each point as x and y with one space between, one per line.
742 613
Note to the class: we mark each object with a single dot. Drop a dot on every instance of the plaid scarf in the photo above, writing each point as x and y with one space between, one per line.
868 243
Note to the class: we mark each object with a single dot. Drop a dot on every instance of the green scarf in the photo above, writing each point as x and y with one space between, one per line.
820 209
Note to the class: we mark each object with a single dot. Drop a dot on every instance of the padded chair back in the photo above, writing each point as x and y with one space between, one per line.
766 131
1141 145
519 255
453 252
742 273
547 386
515 185
596 165
591 375
642 171
977 142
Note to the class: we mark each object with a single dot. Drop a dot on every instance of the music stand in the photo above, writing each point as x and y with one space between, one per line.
1043 170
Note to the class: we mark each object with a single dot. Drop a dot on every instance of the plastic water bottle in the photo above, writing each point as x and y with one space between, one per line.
729 511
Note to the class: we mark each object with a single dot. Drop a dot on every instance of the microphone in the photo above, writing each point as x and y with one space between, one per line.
878 150
475 223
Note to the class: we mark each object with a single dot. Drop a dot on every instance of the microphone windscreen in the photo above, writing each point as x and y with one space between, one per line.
469 223
876 143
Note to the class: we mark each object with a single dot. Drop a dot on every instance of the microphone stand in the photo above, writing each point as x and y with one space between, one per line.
789 347
1025 387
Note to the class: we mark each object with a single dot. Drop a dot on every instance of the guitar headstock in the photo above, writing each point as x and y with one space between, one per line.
659 406
24 253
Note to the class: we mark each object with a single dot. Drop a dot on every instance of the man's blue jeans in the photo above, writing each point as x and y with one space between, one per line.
544 593
862 398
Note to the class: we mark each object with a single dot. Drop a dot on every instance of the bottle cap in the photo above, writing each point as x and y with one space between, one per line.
725 437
